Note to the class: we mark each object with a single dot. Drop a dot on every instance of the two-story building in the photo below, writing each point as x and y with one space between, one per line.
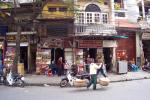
94 31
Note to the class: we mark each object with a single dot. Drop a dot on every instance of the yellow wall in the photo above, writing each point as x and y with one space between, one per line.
57 14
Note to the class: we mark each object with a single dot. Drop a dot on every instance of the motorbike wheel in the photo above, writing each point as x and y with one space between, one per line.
64 83
21 83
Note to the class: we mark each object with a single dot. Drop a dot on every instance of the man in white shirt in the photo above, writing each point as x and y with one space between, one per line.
93 72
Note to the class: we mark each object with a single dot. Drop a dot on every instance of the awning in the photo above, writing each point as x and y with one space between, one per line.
120 36
124 23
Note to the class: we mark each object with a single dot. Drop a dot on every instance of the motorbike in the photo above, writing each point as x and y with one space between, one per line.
70 78
2 78
15 80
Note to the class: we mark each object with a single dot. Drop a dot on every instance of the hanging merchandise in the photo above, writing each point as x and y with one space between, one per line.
1 59
43 58
9 57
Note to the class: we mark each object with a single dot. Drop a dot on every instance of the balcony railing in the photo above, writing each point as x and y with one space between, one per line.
95 29
56 15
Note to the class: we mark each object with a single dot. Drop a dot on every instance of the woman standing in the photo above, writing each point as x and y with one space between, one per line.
60 66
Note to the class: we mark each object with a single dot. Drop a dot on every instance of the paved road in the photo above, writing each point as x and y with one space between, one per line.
131 90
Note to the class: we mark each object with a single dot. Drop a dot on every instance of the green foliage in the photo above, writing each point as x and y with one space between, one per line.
70 4
101 1
5 5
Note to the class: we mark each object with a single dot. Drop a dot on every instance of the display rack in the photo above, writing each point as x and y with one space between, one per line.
9 57
43 59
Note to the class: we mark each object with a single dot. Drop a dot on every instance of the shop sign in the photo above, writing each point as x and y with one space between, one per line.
90 44
51 43
12 38
109 43
68 43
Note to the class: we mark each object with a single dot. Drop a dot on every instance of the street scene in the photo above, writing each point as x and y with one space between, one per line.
133 90
86 49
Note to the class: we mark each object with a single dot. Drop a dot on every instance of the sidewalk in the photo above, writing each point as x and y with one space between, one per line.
42 80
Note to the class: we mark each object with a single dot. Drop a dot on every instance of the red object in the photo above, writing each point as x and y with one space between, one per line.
49 73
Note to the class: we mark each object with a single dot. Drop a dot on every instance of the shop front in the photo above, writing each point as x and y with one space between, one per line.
2 53
146 45
26 56
50 50
97 49
75 51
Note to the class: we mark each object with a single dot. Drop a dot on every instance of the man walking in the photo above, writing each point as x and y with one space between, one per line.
93 73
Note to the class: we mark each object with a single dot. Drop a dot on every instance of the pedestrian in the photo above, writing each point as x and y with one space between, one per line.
102 69
54 68
66 67
60 66
93 74
87 63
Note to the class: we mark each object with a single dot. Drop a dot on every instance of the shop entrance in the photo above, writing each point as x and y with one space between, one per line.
56 53
146 48
23 57
91 52
107 58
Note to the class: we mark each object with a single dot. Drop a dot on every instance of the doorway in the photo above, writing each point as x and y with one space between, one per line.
56 53
107 58
91 52
23 57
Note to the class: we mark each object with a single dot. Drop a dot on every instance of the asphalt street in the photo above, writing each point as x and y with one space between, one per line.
131 90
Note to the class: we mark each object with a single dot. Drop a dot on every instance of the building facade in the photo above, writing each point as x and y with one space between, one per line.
144 23
55 29
94 31
107 29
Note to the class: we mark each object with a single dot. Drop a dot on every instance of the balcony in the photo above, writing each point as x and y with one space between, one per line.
95 30
56 15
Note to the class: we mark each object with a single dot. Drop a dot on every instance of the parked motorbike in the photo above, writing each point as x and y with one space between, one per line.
146 66
15 80
2 78
70 78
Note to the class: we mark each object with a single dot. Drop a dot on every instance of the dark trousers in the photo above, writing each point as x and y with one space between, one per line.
54 71
93 81
59 71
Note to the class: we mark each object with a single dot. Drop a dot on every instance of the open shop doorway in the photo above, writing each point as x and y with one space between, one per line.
108 58
24 57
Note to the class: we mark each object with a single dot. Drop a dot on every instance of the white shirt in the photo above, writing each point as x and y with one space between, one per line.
94 67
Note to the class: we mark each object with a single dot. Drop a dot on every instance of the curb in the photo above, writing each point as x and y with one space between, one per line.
130 79
42 84
57 84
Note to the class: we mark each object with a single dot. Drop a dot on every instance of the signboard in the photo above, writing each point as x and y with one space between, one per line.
51 43
12 38
90 44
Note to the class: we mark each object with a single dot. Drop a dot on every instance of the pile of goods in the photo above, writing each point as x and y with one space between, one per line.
80 83
104 81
